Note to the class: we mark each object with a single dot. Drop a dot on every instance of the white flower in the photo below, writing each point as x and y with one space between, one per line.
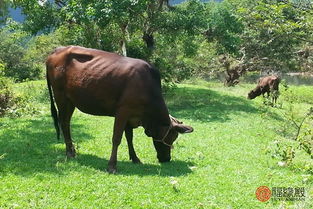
281 163
42 2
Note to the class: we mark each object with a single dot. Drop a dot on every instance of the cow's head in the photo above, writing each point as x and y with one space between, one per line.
255 92
252 94
167 137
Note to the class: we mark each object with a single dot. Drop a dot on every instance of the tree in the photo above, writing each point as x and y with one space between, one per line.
224 27
40 16
4 5
13 44
273 31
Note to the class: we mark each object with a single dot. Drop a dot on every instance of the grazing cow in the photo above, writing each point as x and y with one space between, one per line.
107 84
268 84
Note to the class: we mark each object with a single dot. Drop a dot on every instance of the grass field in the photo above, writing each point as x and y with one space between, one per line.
219 165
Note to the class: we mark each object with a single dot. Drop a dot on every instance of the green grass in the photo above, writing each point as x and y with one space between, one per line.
219 165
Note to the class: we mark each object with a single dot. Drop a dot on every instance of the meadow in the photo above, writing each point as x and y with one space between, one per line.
220 165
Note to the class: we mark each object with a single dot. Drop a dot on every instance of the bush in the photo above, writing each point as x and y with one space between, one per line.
24 55
299 94
298 138
12 104
6 94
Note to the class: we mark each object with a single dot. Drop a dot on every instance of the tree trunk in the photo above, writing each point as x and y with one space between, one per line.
125 38
148 39
123 47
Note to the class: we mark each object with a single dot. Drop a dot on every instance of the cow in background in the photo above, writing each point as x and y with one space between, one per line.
269 85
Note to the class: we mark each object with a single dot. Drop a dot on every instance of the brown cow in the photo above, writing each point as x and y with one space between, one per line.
268 84
107 84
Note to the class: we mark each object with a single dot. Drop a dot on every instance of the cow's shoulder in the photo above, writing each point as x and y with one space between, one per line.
142 67
134 63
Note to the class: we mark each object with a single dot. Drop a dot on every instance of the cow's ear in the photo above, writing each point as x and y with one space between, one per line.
183 129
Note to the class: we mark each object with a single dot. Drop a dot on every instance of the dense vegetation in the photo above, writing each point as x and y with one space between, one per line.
182 40
192 39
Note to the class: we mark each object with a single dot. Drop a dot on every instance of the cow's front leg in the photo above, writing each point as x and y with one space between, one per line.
131 150
119 126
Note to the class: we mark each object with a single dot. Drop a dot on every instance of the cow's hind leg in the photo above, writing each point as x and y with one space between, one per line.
275 98
131 150
66 109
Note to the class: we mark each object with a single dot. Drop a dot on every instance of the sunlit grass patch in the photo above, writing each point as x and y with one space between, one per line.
219 165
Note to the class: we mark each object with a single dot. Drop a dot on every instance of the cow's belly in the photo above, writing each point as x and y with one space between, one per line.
95 110
89 103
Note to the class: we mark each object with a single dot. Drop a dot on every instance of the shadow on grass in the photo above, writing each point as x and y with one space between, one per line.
206 105
29 146
173 168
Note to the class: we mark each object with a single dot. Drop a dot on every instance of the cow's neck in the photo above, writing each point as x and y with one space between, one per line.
156 121
257 91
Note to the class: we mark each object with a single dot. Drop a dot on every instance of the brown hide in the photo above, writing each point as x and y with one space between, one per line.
267 85
107 84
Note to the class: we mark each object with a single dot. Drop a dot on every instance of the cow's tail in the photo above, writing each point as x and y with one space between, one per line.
54 112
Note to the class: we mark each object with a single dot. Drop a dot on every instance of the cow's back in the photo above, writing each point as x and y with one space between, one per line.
99 82
269 82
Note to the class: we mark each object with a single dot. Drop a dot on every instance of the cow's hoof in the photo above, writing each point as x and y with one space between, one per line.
136 160
70 151
71 154
112 170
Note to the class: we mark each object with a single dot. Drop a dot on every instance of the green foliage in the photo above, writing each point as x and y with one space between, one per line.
177 62
297 126
6 94
38 49
297 129
15 104
12 104
136 48
29 98
41 16
4 5
13 42
284 151
116 24
189 17
186 38
273 29
25 55
225 28
299 94
300 137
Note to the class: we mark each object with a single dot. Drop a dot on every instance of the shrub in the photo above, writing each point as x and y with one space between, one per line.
11 103
300 94
299 137
6 93
24 55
